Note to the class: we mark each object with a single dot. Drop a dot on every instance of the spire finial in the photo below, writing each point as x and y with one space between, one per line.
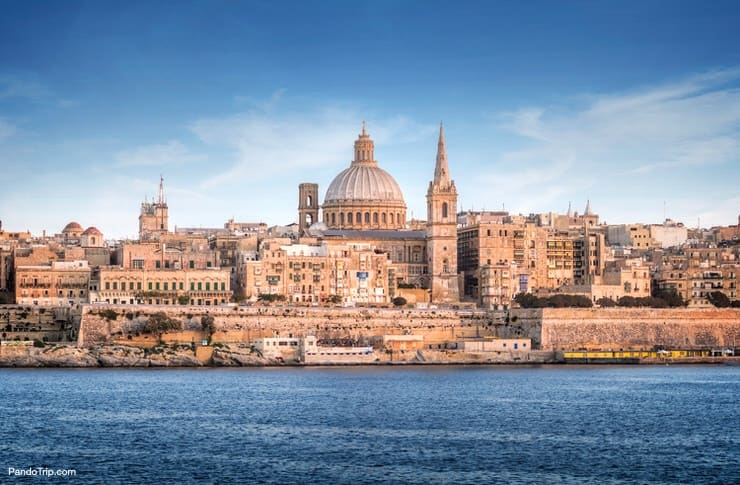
441 170
161 189
364 133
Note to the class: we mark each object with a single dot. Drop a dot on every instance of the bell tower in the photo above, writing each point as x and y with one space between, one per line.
154 216
442 229
308 205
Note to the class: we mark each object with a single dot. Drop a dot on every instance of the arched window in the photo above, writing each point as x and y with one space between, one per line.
333 219
341 218
384 218
309 220
445 266
375 217
367 218
358 218
309 200
349 218
392 219
444 209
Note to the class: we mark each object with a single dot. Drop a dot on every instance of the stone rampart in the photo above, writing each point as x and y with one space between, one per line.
629 328
550 328
105 323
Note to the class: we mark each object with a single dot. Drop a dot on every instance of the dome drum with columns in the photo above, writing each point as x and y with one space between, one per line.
364 196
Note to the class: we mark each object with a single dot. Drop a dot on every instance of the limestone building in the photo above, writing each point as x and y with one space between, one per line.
365 206
441 234
154 217
363 196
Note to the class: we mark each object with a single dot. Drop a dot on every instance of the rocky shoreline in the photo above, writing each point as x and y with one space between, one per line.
69 355
185 356
125 356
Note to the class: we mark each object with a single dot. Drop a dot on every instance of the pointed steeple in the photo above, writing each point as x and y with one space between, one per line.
161 190
441 170
588 208
570 210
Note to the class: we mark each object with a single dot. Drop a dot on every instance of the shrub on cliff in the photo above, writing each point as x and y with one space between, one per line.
159 323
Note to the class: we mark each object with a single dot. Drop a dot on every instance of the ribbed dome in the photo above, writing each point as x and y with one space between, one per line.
92 231
72 227
364 183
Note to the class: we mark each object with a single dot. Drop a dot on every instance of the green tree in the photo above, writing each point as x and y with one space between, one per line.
605 302
399 301
719 299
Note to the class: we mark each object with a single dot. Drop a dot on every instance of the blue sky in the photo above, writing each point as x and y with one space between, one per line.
633 105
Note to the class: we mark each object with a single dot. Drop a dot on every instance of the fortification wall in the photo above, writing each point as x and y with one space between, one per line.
550 329
632 328
242 324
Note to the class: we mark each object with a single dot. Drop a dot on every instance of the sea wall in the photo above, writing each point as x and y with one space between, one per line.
550 329
627 328
105 323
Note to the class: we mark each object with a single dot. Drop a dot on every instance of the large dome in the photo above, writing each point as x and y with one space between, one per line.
364 196
364 183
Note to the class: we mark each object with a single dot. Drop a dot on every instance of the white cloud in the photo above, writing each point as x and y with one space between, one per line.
609 142
169 153
266 145
6 130
18 87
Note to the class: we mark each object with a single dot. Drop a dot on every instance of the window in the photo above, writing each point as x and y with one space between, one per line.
444 209
367 218
150 286
138 285
138 264
223 286
375 217
191 264
200 286
349 218
156 285
166 286
208 286
115 285
107 285
158 264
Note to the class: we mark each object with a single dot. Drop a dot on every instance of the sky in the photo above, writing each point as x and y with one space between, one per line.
633 105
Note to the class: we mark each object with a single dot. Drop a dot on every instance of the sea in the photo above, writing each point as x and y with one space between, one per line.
356 425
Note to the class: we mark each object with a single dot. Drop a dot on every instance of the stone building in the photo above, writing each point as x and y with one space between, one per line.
364 196
320 273
117 285
55 283
154 217
365 205
695 272
441 234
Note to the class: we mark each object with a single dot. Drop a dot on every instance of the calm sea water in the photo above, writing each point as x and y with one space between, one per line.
367 425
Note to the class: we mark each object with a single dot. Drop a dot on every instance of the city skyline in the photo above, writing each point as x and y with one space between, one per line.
635 107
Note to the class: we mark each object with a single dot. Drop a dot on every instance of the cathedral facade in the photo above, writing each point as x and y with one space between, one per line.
365 205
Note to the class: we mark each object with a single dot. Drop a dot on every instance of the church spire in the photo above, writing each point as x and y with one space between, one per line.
588 208
161 190
441 170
